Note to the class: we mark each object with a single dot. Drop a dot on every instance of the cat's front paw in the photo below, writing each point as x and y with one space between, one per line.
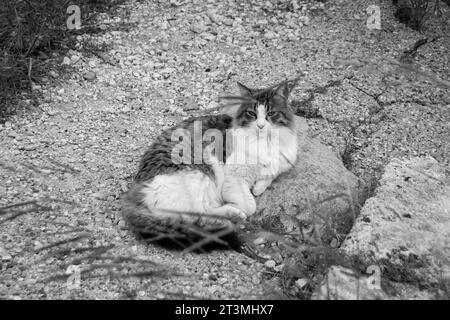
265 162
235 214
260 187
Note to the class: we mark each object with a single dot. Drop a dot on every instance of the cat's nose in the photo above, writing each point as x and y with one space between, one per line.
261 125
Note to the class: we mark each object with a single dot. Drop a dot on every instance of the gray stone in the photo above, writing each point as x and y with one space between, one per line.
4 255
198 27
270 35
214 17
319 192
75 58
165 46
301 283
89 75
213 289
126 109
228 21
66 61
100 195
270 264
122 224
404 231
54 74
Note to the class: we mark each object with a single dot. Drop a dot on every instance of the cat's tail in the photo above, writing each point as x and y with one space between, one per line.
177 230
137 215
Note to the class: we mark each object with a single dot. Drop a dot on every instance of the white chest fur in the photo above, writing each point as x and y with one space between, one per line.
260 153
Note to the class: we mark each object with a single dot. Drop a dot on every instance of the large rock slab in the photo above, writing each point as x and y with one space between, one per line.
319 194
404 231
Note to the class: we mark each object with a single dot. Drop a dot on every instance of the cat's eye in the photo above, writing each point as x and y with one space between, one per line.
250 113
271 113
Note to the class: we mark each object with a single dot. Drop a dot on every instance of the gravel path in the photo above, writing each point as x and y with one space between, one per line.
164 62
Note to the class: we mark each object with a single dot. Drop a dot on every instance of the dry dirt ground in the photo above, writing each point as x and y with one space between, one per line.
65 165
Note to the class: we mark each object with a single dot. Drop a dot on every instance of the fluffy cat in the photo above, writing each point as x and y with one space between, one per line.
214 192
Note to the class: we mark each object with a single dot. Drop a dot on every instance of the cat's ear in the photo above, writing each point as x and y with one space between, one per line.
285 88
244 90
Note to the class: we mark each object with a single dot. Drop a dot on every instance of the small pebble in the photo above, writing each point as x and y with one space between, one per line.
222 280
270 264
122 224
90 75
214 288
301 282
66 61
228 21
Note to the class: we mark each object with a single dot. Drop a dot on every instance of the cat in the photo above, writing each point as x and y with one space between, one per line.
214 192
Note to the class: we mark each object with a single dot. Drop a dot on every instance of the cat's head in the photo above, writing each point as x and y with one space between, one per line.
263 109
